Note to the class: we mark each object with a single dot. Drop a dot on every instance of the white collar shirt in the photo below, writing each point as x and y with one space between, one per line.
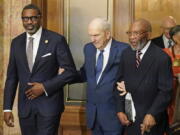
36 41
105 57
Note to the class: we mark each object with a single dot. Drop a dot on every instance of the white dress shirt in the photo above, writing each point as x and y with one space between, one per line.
36 40
105 57
143 51
166 41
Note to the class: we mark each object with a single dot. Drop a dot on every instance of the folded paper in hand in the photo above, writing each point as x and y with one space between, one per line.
129 107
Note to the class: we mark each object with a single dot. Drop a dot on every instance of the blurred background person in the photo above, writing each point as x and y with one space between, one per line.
164 41
174 53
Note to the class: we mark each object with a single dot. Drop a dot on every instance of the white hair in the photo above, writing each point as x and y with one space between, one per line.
102 23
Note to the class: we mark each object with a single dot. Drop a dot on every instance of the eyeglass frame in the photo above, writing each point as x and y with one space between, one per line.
32 18
136 33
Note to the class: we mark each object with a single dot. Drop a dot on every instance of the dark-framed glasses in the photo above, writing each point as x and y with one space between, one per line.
135 33
32 18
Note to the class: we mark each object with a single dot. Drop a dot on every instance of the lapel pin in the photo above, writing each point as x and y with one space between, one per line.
46 41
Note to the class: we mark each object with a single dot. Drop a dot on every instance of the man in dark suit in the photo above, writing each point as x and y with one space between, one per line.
35 59
164 41
145 72
102 58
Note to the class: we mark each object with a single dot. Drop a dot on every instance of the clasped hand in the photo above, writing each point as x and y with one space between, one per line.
35 91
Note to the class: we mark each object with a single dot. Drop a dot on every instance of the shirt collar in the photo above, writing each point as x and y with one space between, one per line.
35 35
165 38
146 47
108 46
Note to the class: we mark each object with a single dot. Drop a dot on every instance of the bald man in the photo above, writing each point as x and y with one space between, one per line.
102 58
145 72
164 41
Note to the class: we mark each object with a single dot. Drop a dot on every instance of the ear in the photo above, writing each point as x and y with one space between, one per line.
108 34
149 35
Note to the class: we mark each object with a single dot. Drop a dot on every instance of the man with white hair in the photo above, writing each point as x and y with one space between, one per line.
102 58
164 41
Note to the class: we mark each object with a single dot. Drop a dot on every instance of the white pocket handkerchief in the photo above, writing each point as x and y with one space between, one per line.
48 54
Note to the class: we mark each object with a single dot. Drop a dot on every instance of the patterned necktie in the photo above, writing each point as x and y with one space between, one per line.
99 64
29 53
169 43
138 59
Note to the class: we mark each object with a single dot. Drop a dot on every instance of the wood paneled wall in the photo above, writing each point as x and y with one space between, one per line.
156 10
123 16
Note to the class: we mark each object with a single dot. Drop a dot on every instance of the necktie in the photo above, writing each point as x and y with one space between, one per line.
29 53
138 59
99 64
169 43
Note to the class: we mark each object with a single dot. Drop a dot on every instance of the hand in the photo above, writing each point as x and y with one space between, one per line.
60 71
123 119
121 88
9 119
148 123
35 91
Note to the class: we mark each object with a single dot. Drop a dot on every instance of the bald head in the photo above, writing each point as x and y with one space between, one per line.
139 33
143 24
167 23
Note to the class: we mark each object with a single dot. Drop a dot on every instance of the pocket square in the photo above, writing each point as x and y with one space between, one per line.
48 54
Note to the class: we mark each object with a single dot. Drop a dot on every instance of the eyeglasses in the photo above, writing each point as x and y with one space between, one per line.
32 18
135 33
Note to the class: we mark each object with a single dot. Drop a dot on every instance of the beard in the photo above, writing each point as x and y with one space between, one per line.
31 29
140 45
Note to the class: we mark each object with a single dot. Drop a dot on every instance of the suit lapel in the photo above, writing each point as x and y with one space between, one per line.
23 51
145 64
93 63
43 44
112 55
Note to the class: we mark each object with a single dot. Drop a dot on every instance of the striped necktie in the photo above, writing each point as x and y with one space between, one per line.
138 59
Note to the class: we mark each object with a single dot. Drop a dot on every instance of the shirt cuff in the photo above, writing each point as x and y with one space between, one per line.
7 110
45 92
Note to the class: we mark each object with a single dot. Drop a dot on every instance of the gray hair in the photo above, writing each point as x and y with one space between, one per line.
102 23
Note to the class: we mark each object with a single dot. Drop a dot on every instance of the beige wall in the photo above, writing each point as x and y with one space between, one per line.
156 10
11 26
1 62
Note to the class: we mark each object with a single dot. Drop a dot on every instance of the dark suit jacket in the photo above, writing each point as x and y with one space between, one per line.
159 41
150 86
101 103
45 70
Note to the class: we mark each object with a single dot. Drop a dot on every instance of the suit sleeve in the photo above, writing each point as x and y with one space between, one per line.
165 81
11 81
120 99
65 60
81 74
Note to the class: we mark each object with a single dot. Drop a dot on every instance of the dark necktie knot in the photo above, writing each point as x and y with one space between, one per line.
169 43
